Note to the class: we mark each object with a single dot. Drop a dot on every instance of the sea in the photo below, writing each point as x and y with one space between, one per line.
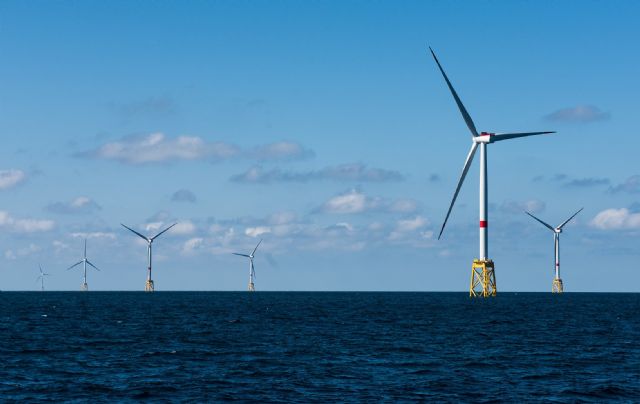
318 347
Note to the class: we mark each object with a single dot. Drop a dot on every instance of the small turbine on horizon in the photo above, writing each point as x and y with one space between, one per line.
85 261
41 278
483 281
252 270
558 286
149 286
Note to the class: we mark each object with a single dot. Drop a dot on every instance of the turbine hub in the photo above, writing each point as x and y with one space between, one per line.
484 137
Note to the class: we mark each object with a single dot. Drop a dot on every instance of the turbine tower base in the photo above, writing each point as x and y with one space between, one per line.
557 286
483 279
84 287
148 287
252 288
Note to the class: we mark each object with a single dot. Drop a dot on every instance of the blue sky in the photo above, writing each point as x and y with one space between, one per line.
324 128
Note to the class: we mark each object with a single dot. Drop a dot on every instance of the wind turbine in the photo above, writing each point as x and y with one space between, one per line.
483 281
252 270
41 278
149 287
84 261
557 282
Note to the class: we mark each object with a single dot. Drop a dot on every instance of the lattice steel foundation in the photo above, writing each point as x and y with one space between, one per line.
557 286
483 279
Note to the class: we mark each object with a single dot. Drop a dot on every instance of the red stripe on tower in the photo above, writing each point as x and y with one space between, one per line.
483 223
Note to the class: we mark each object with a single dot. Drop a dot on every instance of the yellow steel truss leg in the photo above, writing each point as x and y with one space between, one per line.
252 288
148 287
483 279
557 286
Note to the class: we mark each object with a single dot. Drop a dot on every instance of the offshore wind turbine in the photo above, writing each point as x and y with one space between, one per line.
483 281
41 278
252 270
557 286
84 261
149 286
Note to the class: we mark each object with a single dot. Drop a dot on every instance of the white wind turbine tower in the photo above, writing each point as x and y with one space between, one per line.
483 281
557 282
85 261
41 277
252 271
149 286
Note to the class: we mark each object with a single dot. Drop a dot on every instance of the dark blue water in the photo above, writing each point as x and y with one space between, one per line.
319 347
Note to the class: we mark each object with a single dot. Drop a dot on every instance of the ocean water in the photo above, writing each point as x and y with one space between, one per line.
318 347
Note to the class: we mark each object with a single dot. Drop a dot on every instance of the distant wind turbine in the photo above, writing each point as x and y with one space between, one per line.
252 270
483 282
84 261
149 287
558 286
41 278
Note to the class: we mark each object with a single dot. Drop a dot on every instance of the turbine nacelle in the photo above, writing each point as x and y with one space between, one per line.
484 137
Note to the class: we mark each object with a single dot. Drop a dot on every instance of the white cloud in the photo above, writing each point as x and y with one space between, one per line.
81 204
615 219
94 235
406 226
256 231
59 246
350 202
25 225
10 178
190 246
183 227
21 252
355 201
153 226
158 148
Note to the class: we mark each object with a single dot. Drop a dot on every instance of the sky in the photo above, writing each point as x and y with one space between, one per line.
323 128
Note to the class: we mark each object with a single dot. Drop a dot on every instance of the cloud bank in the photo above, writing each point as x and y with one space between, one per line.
616 219
79 205
354 201
630 186
12 177
24 225
159 148
183 195
579 114
345 172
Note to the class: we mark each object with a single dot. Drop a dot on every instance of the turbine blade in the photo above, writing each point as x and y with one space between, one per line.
569 219
129 228
95 267
254 250
242 255
85 248
463 110
504 136
40 266
74 265
548 226
167 229
465 169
